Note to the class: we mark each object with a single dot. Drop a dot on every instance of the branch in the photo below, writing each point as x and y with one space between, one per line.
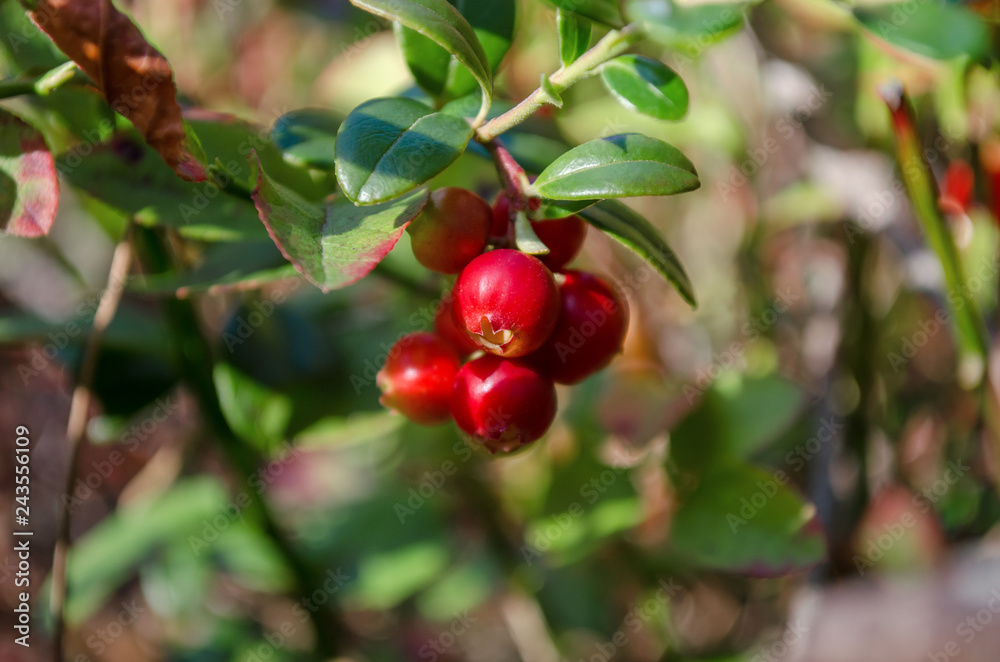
79 408
609 47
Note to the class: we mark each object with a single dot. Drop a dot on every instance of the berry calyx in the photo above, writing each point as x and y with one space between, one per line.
417 377
563 237
507 301
452 229
503 404
445 326
593 321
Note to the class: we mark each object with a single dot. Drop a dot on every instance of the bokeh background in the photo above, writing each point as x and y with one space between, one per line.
798 469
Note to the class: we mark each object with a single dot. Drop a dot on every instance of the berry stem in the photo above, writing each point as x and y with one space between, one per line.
610 46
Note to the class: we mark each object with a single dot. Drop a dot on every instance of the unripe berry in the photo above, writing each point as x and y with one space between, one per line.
508 301
593 321
451 230
417 377
503 403
564 239
445 326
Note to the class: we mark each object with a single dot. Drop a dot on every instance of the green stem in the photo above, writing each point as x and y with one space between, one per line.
39 85
611 46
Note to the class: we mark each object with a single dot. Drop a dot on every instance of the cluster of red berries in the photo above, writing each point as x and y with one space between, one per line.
536 329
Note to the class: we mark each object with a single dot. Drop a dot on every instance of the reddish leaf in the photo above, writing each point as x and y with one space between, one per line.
337 244
135 79
29 190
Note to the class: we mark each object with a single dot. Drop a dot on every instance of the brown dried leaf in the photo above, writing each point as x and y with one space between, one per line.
135 79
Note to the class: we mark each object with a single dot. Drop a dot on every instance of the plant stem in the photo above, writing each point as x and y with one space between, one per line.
610 46
40 85
77 425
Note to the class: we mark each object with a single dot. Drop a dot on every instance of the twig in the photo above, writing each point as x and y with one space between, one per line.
75 428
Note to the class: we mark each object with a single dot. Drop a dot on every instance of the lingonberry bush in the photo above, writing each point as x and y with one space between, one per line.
423 347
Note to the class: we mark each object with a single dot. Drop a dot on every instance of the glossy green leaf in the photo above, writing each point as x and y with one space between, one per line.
230 140
336 245
443 24
307 137
933 28
29 188
574 35
646 86
607 12
622 166
128 176
690 27
552 209
387 147
440 73
744 519
733 420
635 232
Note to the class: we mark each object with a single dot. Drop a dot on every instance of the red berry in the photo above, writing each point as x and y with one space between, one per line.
503 403
508 301
445 326
501 216
451 230
593 320
564 239
417 377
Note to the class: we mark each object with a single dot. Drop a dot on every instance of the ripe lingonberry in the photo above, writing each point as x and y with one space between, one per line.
417 377
446 327
503 403
507 301
501 216
563 237
593 320
451 230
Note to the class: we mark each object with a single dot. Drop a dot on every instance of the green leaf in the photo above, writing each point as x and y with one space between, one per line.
646 86
29 189
336 245
934 29
230 139
255 412
132 533
440 73
622 166
607 12
307 137
574 35
635 232
129 176
734 420
690 27
387 147
743 519
443 24
552 209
